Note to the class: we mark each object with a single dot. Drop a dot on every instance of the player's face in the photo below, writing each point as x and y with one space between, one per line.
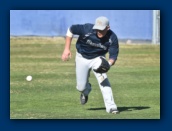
102 33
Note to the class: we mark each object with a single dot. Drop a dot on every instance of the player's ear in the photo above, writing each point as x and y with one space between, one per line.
108 27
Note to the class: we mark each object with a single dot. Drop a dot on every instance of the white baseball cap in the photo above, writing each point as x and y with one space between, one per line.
101 23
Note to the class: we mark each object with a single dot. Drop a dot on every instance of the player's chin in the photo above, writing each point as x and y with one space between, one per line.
100 35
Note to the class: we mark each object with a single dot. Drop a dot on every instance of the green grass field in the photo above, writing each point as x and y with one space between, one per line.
52 93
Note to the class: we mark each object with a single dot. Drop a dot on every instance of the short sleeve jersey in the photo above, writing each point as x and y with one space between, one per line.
90 46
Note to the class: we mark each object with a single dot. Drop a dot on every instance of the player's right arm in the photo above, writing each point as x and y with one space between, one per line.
77 30
67 53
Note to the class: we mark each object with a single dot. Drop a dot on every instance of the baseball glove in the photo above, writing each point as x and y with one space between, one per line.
104 67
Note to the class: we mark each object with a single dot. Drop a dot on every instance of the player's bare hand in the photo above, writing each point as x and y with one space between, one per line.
66 55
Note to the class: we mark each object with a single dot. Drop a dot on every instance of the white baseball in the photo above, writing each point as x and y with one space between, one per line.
29 78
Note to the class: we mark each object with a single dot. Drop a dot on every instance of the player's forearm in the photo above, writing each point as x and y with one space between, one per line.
111 62
69 36
68 43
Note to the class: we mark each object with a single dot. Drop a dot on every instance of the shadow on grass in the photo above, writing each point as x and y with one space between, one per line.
121 109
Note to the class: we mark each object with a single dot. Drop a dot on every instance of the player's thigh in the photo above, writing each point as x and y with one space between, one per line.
82 71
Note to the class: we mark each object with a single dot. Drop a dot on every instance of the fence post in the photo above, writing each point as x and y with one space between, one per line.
156 27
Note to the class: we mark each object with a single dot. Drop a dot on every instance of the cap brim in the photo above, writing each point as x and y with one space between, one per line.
99 27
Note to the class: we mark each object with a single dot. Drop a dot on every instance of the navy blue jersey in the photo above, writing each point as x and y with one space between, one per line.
89 45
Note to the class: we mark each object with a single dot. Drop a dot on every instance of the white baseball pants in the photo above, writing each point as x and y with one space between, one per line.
83 68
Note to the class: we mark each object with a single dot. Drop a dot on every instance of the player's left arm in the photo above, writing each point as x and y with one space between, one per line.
113 51
111 62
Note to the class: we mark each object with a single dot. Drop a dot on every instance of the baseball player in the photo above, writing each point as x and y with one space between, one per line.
94 41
